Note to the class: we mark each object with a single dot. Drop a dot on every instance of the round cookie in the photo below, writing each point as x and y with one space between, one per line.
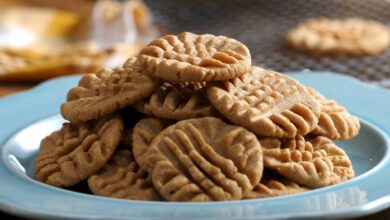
203 159
267 103
106 92
314 163
177 103
188 57
77 151
122 178
335 122
340 36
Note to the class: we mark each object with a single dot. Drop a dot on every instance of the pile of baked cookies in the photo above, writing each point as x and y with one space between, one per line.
190 119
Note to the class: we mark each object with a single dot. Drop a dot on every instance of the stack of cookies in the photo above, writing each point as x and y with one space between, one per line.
190 119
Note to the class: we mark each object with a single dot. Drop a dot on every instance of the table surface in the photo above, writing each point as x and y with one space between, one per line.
262 25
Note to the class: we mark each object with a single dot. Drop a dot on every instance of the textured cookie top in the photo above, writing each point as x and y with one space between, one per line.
351 36
106 92
75 152
267 103
121 177
143 134
177 102
314 163
131 65
202 160
335 121
188 57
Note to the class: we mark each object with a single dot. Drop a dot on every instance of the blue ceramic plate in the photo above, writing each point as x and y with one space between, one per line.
25 118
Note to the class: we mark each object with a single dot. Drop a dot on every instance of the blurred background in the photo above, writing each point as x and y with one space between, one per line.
41 39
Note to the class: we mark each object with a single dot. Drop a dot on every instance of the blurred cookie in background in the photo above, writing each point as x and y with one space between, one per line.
39 63
351 36
37 43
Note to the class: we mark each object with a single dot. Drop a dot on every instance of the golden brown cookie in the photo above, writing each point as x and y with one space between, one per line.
105 92
335 122
77 151
267 103
271 185
203 159
38 63
131 64
314 163
143 134
340 36
177 102
121 177
188 57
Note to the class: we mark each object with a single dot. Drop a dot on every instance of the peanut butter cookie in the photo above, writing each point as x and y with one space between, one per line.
314 163
203 159
77 151
105 92
267 103
354 36
143 134
335 122
177 102
188 57
121 177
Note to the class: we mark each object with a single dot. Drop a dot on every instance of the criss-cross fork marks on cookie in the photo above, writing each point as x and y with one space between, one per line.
105 92
75 152
335 121
190 120
203 160
261 93
267 103
314 163
178 103
194 58
121 177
